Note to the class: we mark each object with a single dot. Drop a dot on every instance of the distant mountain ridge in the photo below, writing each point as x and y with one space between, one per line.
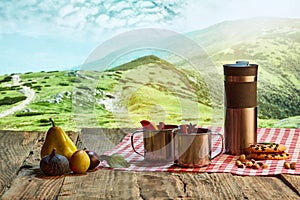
227 33
274 44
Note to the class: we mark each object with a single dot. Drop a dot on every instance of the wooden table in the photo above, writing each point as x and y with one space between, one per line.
21 177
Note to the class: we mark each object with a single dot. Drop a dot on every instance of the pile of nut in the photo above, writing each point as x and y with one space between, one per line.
288 165
242 162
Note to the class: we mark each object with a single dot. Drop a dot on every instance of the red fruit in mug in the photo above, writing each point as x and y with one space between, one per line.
148 125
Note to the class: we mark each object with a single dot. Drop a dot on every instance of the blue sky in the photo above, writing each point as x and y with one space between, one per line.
48 35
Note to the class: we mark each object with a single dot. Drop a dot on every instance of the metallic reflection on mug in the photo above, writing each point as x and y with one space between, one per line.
195 149
158 144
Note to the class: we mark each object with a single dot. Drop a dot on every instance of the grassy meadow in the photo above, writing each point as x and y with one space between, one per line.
167 89
120 98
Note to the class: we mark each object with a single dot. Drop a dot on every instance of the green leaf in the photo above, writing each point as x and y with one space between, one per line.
115 161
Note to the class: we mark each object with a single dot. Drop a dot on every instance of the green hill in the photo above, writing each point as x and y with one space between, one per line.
152 88
53 91
274 44
146 88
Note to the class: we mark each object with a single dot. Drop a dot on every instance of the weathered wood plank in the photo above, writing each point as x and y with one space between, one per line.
293 181
14 148
209 186
264 187
101 184
30 182
161 185
106 184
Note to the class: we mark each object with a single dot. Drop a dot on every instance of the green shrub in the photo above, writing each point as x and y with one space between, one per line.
15 87
37 87
4 88
6 79
25 114
63 84
11 100
28 84
45 121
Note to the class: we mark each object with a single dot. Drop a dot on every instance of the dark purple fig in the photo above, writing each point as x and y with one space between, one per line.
54 164
94 158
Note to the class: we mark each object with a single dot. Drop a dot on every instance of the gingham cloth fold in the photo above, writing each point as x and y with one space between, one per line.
223 163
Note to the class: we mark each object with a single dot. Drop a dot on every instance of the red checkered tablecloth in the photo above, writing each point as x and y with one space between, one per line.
222 163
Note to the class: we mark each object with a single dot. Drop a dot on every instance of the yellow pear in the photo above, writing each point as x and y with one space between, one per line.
58 139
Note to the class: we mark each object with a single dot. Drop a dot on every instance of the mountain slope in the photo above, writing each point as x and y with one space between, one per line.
167 90
274 44
222 35
151 88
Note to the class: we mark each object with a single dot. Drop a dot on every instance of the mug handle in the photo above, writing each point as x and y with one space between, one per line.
132 144
222 149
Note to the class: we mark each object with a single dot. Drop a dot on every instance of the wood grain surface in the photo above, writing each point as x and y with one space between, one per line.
21 177
14 148
292 181
30 182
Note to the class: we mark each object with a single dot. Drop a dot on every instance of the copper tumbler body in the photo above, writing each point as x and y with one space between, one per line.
240 130
158 144
195 149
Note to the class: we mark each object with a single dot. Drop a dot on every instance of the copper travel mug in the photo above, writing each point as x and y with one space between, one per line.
241 106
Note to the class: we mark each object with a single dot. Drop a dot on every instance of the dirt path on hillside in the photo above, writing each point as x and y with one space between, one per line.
27 91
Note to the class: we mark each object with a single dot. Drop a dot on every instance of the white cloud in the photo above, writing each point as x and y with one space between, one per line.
145 4
66 10
80 19
102 19
65 17
118 6
67 30
126 13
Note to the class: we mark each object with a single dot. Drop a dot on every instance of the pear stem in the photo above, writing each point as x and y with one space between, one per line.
53 152
51 120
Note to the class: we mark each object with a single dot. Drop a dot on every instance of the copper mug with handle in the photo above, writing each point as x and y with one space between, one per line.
195 149
158 145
